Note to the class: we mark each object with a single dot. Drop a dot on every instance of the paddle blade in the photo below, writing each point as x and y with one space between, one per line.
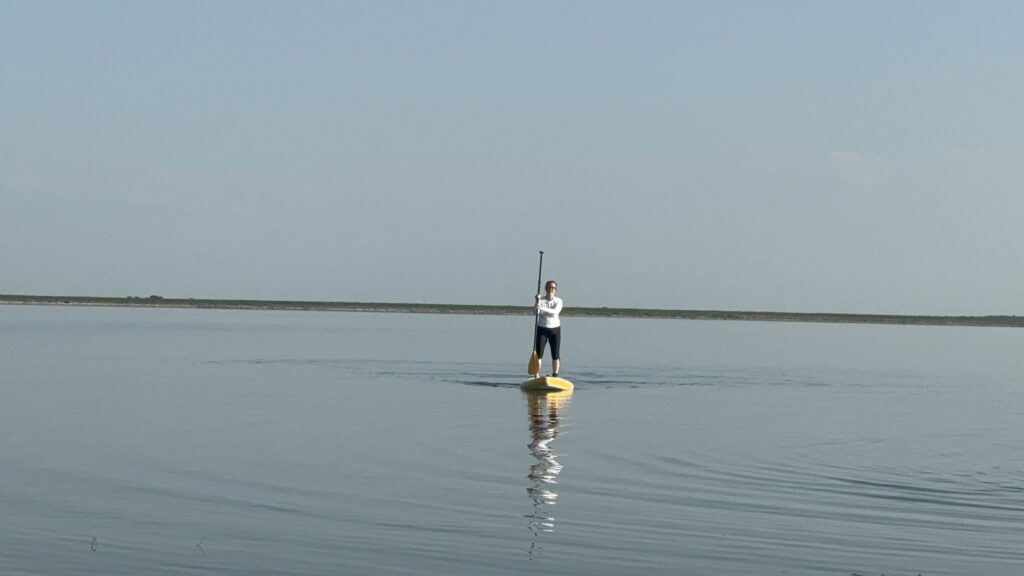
534 368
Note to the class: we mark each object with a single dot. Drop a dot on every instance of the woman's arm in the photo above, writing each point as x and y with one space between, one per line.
550 311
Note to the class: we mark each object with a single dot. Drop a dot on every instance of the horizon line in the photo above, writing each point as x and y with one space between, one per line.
156 301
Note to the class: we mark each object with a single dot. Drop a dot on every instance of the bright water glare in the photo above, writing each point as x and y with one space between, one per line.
144 441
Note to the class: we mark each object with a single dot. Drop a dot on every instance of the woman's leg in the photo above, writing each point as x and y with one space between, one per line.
556 345
542 340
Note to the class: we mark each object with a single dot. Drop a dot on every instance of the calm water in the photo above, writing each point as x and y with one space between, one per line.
221 442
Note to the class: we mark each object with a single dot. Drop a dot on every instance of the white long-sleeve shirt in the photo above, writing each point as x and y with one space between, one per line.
549 310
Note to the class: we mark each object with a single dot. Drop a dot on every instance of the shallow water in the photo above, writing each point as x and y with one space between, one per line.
230 442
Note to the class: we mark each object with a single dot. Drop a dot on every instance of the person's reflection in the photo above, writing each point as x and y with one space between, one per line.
544 421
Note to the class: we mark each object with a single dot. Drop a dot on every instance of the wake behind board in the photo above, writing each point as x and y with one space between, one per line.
546 384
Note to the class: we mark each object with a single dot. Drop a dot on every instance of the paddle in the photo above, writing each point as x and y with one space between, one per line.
534 368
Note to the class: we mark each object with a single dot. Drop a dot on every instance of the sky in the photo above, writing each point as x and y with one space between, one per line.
855 157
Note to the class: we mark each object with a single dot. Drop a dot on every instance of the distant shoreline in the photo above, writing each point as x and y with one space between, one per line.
391 307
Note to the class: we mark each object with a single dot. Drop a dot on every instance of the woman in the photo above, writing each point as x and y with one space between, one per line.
549 327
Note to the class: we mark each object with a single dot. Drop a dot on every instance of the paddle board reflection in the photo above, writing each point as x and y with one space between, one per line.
545 413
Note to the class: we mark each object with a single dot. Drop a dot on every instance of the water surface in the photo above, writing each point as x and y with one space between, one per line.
247 442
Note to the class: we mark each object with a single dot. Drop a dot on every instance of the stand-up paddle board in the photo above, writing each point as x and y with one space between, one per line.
546 384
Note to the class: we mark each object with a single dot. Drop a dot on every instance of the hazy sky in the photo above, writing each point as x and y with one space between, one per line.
790 156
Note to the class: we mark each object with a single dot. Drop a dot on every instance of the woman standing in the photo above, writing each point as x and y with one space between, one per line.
549 327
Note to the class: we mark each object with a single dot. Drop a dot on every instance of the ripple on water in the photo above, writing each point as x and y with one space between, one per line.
817 512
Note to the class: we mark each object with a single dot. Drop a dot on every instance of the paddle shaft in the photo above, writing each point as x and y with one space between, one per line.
536 314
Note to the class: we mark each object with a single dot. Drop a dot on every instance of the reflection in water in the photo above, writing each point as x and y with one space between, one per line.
544 411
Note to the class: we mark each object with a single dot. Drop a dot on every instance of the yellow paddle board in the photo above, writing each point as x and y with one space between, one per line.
546 384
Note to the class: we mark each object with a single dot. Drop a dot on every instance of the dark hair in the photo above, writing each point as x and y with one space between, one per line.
550 283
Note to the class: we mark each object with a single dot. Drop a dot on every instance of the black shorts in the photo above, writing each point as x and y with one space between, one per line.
546 334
